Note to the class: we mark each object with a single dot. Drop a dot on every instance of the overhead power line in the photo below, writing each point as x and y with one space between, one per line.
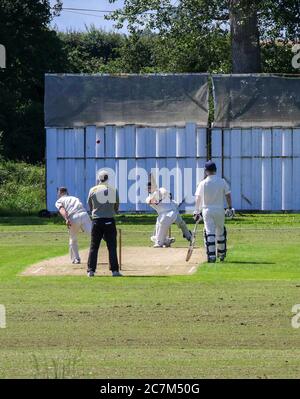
71 9
84 13
86 9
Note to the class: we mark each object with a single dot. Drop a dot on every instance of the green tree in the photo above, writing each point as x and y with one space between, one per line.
90 51
32 49
245 20
277 56
138 54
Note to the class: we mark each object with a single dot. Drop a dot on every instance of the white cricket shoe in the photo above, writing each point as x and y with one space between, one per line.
157 246
91 274
76 261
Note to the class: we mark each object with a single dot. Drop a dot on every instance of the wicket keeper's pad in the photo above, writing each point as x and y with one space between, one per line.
146 100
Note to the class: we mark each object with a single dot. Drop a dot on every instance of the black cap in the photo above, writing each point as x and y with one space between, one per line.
210 166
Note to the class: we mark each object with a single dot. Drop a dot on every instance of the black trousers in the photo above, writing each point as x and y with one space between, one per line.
103 228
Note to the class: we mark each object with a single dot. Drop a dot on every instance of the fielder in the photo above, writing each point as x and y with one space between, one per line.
168 213
76 217
210 195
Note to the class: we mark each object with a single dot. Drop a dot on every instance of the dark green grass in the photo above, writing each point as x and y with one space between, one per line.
228 320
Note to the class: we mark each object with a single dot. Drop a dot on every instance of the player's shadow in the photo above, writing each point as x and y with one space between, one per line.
251 263
139 275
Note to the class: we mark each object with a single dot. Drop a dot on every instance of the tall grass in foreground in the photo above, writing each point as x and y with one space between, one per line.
58 367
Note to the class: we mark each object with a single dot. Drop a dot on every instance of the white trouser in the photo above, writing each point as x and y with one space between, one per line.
214 229
163 222
182 225
79 221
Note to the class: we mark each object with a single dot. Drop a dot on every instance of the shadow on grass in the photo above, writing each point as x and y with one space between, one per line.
251 263
29 220
19 218
137 276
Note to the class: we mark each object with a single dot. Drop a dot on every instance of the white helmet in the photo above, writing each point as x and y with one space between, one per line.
102 175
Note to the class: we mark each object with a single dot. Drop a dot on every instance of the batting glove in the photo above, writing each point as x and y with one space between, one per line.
230 213
197 216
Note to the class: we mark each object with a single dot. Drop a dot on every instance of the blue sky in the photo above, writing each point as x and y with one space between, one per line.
78 19
71 19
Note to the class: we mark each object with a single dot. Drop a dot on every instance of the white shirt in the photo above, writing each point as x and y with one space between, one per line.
212 191
161 202
71 204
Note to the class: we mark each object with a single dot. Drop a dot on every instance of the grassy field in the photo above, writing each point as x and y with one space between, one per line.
230 320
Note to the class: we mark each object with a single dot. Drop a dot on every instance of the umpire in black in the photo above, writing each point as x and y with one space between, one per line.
103 201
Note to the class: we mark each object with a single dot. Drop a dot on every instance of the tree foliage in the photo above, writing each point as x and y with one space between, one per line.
190 21
194 36
89 51
32 49
275 18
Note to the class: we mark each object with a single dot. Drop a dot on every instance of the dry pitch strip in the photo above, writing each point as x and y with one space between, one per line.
136 261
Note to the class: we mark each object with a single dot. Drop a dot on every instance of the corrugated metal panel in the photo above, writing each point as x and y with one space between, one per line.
296 168
110 141
262 166
75 155
287 167
65 162
51 146
201 143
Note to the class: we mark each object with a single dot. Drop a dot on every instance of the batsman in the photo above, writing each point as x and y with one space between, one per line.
168 213
210 195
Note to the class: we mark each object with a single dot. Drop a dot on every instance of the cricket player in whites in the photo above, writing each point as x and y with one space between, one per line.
210 195
161 201
76 217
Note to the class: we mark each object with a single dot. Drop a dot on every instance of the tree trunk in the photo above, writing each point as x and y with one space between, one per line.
245 47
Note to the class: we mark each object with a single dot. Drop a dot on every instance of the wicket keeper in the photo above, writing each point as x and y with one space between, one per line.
210 195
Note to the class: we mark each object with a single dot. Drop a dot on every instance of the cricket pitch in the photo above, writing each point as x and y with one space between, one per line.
136 261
